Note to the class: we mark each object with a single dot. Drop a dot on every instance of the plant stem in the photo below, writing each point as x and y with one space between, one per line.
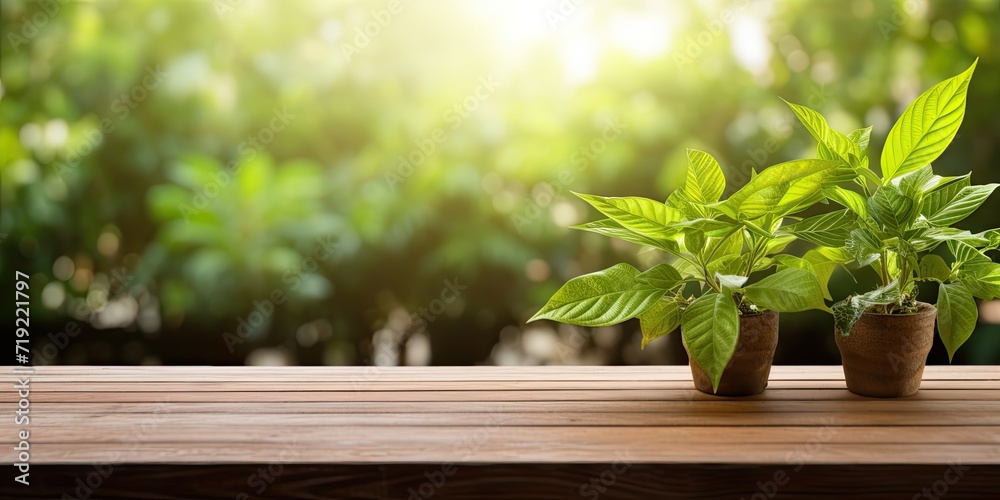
753 255
708 279
904 276
711 282
885 268
680 255
718 245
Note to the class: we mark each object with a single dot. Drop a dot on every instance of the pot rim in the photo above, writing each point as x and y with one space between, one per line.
923 309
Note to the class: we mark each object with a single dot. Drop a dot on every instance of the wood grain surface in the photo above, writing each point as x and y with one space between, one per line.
578 414
497 432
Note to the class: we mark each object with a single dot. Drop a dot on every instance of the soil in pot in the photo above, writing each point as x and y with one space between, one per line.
747 371
885 354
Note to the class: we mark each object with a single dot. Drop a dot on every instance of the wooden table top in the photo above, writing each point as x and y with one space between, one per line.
566 414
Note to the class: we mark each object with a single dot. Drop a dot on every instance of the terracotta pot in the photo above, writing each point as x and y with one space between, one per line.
747 371
885 354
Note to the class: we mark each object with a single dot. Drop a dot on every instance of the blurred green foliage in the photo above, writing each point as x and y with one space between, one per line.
212 152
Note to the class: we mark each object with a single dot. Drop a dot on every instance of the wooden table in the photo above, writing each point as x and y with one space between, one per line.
500 432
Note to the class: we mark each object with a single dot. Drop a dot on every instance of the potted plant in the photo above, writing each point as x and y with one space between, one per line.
715 246
900 224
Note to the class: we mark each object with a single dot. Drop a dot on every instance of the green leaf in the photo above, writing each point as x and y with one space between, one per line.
764 202
762 193
964 253
790 290
849 199
694 241
927 239
640 215
662 276
891 209
966 201
730 282
867 175
826 230
807 191
778 243
863 245
705 181
660 319
848 311
926 127
861 137
800 195
833 145
982 278
914 184
610 228
934 267
711 227
710 326
689 270
824 260
784 261
738 266
724 265
726 246
956 316
603 298
923 182
937 198
982 241
891 263
993 235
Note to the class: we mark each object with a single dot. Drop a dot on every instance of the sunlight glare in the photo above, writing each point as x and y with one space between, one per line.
750 45
579 55
643 37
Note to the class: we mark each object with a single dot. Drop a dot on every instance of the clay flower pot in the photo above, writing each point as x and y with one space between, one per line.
747 371
885 354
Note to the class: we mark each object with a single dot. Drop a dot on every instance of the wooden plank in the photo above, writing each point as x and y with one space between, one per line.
734 406
497 414
370 374
486 395
494 431
40 386
565 419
